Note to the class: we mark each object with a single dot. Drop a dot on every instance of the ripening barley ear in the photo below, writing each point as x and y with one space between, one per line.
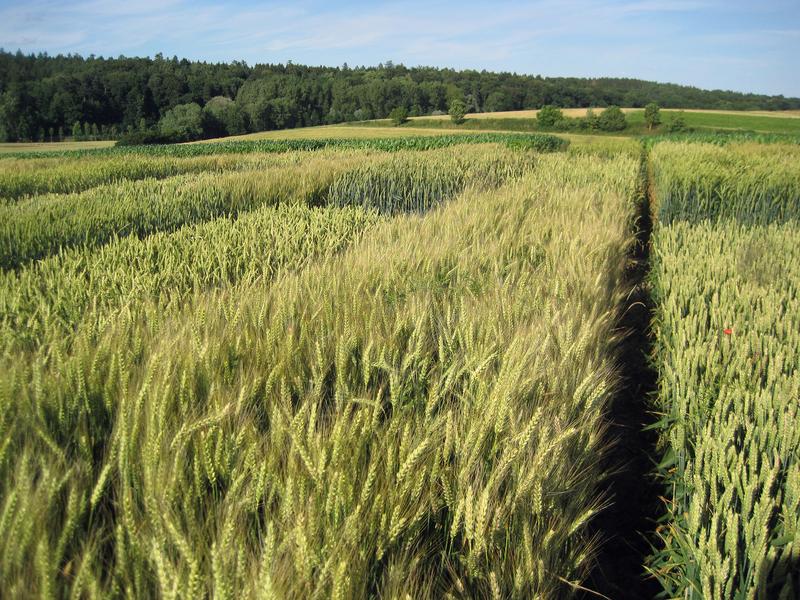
221 430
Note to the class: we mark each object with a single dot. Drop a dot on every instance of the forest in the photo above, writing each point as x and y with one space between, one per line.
48 98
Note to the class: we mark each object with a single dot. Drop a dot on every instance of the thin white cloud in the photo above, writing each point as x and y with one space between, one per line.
655 39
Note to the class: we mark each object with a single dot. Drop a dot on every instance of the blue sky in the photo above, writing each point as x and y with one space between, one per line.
741 45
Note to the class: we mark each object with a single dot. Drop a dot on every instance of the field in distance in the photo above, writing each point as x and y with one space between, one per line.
578 142
581 112
331 132
52 146
707 120
521 120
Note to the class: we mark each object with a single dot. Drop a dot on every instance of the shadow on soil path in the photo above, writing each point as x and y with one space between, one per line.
624 526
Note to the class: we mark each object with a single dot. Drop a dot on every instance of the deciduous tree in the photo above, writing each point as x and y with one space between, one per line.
457 110
652 115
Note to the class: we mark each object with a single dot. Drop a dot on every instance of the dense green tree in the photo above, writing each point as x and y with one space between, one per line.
18 118
592 120
223 117
549 116
498 101
77 131
41 91
612 119
183 122
398 115
457 110
652 115
677 123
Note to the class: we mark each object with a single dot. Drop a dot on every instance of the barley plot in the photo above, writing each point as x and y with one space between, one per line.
314 401
385 368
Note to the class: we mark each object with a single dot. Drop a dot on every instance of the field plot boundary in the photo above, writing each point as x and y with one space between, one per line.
626 525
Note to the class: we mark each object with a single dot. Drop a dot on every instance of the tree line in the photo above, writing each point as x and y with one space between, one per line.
46 97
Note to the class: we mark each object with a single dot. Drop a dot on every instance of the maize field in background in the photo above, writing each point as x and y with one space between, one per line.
384 368
726 285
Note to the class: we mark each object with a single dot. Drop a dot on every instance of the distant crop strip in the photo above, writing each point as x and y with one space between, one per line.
540 142
43 225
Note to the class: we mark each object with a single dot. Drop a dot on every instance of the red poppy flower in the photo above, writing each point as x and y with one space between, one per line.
727 331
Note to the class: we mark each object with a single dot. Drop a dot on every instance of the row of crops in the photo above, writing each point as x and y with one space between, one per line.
530 141
77 170
726 284
313 377
385 368
43 225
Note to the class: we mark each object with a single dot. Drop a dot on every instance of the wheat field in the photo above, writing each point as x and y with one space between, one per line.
388 367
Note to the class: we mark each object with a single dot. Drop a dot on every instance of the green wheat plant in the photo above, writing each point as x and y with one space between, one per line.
416 182
726 286
753 183
44 225
83 287
20 178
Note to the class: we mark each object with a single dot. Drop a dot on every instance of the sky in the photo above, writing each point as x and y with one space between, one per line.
741 45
